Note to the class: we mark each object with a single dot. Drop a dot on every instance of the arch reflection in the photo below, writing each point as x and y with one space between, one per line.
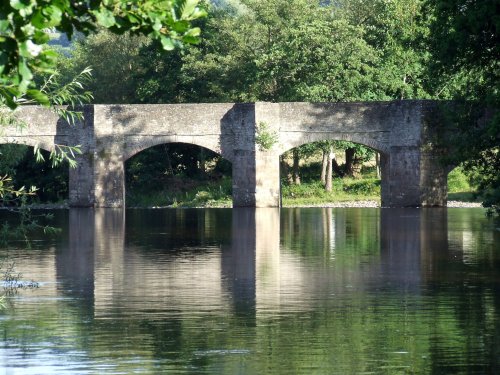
175 260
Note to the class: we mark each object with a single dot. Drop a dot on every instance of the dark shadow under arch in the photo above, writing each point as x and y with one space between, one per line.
19 163
171 173
135 145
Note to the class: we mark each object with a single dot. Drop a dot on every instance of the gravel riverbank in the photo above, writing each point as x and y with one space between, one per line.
345 204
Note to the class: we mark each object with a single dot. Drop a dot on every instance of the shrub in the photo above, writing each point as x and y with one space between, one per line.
458 181
369 186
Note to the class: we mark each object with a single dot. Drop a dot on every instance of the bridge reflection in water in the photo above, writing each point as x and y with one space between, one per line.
281 291
251 266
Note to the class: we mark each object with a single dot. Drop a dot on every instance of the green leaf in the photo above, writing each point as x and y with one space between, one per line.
4 25
192 36
19 4
188 8
40 37
190 40
133 19
53 16
167 43
195 31
181 26
38 96
105 17
198 13
8 98
38 20
25 73
156 25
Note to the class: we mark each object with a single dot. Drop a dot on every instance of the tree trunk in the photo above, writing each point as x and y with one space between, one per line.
285 170
328 185
357 165
349 159
169 170
323 167
377 164
202 163
296 159
352 163
335 165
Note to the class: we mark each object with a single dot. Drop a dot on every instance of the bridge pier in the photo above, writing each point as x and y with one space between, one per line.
81 181
400 177
99 178
256 180
81 178
109 180
433 179
97 182
413 178
256 174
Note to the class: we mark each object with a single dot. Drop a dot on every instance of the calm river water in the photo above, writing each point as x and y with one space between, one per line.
266 291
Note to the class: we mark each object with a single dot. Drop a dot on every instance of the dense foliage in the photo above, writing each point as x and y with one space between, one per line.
465 46
279 50
25 26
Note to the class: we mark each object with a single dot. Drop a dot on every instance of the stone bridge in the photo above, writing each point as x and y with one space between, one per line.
412 175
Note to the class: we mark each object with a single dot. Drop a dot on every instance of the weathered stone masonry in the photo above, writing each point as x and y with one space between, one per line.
412 174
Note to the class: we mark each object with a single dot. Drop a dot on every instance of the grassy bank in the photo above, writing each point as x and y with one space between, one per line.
185 192
190 193
346 189
182 192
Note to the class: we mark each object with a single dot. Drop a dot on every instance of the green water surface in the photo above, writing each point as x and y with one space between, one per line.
257 291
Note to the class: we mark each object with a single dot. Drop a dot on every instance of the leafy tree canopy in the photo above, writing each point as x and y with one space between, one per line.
25 24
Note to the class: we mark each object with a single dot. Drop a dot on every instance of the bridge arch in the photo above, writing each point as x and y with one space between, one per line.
172 172
297 168
135 145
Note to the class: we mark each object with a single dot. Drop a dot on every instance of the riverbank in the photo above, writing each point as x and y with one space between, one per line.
288 204
376 204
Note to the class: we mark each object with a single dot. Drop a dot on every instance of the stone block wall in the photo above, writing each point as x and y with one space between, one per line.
81 178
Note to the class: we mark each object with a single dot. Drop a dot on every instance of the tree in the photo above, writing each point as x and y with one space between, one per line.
24 26
465 46
397 29
116 62
355 156
297 51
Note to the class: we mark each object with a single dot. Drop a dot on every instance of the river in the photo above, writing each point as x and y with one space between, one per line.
257 291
